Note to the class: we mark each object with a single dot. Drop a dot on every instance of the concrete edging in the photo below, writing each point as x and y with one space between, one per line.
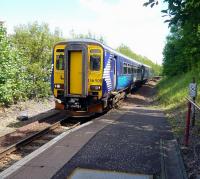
32 155
172 166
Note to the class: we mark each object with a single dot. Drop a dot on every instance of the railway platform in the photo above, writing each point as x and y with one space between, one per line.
124 143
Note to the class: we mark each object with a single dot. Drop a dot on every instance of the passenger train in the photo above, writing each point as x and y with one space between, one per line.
88 76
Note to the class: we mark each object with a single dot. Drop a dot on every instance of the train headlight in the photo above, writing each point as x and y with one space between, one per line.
59 86
95 87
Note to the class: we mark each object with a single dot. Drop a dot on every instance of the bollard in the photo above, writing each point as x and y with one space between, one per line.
187 128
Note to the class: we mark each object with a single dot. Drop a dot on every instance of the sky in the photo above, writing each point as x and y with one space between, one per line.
118 21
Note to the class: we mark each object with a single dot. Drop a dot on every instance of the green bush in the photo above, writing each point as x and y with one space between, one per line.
25 62
9 70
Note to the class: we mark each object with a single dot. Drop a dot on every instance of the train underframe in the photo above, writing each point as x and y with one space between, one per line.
83 106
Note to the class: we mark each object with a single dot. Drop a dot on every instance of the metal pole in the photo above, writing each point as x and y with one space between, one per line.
187 129
193 113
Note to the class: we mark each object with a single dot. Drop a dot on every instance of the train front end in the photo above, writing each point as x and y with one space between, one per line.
77 76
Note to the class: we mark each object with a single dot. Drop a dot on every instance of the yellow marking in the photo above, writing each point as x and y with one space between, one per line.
95 77
55 92
58 74
76 72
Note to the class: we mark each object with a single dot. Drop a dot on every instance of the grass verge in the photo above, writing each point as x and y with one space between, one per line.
171 94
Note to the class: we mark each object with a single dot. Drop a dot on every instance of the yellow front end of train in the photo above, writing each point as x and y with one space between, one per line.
78 75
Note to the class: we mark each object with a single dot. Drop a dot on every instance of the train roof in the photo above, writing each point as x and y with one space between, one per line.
105 47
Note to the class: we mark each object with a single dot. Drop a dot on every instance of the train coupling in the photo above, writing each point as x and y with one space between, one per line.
73 103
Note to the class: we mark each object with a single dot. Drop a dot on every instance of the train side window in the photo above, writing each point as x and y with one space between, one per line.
60 62
94 63
132 70
129 69
125 68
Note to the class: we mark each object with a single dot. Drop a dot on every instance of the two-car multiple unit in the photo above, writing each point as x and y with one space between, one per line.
89 76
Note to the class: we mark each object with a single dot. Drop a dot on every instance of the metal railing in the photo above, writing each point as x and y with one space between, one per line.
188 118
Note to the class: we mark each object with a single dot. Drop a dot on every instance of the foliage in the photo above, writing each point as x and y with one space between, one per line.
171 95
25 62
35 42
89 35
179 12
181 52
128 52
173 90
9 70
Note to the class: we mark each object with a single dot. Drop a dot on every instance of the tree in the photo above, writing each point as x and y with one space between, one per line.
10 70
89 35
35 42
181 52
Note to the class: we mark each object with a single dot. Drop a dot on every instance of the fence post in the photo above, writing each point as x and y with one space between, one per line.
187 129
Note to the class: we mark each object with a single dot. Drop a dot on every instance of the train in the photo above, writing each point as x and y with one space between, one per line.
89 77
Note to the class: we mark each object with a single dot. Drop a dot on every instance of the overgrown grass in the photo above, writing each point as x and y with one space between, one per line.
172 92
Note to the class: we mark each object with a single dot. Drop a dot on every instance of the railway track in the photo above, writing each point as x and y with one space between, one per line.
22 148
40 133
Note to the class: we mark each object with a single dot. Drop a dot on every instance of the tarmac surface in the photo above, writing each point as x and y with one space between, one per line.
131 144
123 140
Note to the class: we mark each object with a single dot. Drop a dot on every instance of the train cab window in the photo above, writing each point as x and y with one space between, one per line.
95 63
60 62
60 50
125 68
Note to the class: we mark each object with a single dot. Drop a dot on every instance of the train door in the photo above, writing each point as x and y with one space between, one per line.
76 76
75 66
113 72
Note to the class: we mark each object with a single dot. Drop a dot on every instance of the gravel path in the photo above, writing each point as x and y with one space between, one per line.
27 130
8 116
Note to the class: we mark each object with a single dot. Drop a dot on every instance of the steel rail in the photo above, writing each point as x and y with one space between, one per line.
29 139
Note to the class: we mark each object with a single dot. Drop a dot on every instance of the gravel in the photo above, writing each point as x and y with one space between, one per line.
8 116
